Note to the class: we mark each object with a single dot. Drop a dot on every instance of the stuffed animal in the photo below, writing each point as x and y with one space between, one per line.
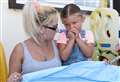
104 23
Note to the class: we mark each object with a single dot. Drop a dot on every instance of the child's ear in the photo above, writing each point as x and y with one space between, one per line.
83 18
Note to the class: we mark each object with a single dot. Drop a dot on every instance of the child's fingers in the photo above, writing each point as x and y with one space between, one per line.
75 31
71 35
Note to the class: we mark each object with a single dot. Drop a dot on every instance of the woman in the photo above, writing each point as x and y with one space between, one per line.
39 51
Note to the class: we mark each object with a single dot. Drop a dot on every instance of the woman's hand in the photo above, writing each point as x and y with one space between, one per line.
14 77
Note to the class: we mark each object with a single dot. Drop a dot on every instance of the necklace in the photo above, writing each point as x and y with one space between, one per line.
46 53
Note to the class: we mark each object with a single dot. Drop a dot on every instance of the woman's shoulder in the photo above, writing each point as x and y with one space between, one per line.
18 47
17 51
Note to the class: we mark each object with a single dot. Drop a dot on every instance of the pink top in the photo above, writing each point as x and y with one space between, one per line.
89 38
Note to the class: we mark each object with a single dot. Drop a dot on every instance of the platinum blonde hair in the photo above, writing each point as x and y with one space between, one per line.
33 18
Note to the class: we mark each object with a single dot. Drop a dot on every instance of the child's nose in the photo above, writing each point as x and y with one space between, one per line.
71 26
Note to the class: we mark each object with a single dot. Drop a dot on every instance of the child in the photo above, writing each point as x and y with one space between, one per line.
75 44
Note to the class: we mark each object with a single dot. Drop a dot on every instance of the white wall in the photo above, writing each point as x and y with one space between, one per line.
12 28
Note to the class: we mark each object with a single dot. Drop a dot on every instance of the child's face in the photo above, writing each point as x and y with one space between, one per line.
73 21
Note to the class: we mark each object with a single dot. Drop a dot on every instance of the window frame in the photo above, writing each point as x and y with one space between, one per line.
14 5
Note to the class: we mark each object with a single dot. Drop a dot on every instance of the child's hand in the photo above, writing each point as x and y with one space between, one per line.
75 31
71 35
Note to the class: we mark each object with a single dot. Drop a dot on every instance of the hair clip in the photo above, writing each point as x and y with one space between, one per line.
36 5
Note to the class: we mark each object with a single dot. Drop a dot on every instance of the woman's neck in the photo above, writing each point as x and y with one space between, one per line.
44 43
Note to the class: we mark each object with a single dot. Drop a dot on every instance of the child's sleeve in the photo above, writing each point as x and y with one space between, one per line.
90 37
62 38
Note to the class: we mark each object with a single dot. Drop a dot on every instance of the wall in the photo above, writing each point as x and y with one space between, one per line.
12 29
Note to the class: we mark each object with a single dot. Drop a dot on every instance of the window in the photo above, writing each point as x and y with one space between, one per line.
87 5
14 5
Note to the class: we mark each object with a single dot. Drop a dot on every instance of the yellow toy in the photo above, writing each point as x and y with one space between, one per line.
105 26
3 67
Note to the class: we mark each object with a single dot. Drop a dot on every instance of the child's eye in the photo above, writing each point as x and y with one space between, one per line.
66 24
74 22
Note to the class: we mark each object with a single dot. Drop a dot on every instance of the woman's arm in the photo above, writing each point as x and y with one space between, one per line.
15 63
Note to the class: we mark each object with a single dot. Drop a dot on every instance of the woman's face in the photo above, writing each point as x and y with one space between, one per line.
73 21
50 28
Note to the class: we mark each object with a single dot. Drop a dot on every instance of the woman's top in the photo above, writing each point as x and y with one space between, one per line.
31 65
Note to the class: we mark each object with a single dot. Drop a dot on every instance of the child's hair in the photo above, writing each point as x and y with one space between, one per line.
70 9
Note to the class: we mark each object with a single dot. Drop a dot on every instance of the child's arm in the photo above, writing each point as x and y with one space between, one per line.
66 47
86 47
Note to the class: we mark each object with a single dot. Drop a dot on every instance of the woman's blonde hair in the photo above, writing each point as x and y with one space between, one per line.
34 18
